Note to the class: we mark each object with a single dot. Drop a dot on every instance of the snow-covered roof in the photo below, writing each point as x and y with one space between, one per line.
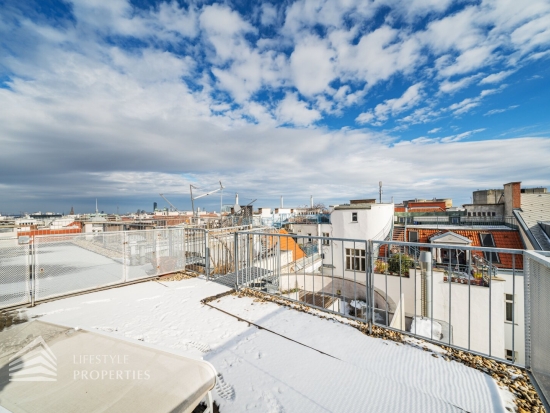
296 362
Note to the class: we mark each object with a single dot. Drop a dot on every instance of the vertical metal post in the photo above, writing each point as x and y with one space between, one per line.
490 298
370 286
450 298
469 297
206 255
513 307
124 258
527 308
236 257
33 271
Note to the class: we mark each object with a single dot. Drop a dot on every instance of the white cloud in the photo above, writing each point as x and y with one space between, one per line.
495 111
268 14
97 118
496 77
448 86
296 112
460 136
382 111
311 66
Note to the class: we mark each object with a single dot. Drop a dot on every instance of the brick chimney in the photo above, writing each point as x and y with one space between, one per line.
512 197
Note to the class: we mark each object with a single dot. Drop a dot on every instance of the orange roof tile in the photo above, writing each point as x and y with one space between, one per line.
503 239
288 244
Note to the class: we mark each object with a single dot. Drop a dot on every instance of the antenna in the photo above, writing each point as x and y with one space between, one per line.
221 200
203 195
169 203
380 190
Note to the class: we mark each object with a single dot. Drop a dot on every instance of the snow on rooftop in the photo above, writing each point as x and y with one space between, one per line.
283 372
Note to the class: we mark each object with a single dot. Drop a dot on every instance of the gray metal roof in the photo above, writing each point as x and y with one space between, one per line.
535 208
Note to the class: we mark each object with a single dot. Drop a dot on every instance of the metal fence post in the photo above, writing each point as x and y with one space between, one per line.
236 257
527 309
370 284
33 272
206 255
124 258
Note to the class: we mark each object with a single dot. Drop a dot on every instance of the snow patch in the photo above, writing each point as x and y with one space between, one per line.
149 298
97 301
424 327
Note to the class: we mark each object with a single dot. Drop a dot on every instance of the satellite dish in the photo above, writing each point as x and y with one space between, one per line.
237 208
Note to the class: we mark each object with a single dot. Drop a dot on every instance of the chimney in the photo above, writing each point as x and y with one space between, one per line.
281 202
512 197
311 201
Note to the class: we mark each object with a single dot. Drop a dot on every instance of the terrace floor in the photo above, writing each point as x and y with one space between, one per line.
313 365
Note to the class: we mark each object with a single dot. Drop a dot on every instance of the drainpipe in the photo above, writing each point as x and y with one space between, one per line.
425 261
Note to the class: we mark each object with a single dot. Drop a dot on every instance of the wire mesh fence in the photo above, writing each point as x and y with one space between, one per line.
153 252
15 270
538 308
71 263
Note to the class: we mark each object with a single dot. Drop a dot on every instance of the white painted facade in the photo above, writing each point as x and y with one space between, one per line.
372 220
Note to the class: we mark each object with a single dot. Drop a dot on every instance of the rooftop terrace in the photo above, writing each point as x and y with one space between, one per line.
295 362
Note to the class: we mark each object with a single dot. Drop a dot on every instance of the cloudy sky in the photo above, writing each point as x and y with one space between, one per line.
122 100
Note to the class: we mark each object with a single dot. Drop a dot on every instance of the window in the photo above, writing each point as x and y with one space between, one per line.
354 217
494 213
469 214
355 259
511 355
509 300
413 236
326 241
487 240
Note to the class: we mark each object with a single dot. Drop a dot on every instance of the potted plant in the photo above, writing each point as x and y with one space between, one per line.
400 264
381 266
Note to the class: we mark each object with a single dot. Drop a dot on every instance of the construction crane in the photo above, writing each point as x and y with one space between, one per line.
169 203
203 195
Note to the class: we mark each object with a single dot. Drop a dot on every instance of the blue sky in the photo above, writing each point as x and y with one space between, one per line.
121 100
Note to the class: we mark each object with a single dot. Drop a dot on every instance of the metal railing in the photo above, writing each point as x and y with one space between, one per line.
488 301
537 309
333 280
444 219
57 265
448 298
15 270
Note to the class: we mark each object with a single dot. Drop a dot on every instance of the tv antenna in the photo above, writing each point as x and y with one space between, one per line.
203 195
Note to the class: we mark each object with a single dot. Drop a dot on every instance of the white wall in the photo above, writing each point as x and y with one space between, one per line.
369 221
480 298
519 329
